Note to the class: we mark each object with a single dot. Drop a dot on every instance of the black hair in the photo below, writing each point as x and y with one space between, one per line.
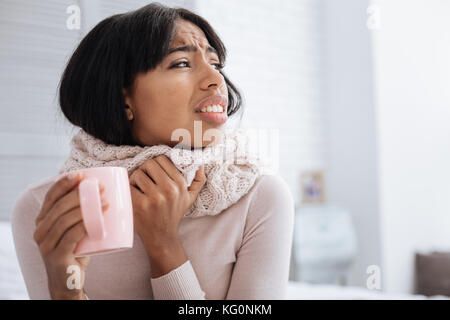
108 59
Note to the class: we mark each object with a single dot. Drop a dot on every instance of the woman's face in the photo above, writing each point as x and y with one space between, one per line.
167 98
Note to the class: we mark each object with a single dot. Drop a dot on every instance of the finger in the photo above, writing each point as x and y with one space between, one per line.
140 180
137 197
134 188
59 189
154 171
171 170
48 224
198 182
61 226
64 223
71 238
62 206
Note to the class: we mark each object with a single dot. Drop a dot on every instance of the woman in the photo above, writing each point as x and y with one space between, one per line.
134 80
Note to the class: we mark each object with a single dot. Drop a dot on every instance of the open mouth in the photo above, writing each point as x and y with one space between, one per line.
214 115
217 108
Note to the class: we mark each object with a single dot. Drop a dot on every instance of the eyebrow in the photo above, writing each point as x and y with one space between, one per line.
190 48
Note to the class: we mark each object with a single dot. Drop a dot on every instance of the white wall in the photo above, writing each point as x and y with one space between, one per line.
275 59
413 109
35 45
352 164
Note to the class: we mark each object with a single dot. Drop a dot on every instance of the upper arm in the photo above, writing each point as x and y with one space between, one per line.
261 270
25 211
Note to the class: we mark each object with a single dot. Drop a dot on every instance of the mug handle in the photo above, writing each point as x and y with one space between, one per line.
90 202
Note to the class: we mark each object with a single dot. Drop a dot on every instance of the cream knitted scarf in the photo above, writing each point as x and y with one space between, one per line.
229 168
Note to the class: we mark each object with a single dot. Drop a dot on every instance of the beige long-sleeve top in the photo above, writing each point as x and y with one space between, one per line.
241 253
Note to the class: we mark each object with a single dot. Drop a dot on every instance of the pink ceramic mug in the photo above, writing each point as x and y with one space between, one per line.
112 229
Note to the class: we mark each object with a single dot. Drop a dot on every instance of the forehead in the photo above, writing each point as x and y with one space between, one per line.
187 32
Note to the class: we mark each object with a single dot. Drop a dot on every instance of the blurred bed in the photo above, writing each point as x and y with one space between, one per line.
13 287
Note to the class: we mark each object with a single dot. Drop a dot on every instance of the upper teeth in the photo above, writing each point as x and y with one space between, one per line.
214 108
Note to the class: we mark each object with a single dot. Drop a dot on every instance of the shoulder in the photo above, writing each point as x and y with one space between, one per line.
271 196
270 215
272 183
271 188
27 205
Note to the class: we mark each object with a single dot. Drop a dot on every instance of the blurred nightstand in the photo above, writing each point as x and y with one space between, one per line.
324 244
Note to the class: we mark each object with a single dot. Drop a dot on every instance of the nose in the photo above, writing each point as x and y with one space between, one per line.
210 77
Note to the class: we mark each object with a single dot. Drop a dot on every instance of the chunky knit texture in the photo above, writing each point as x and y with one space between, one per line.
230 169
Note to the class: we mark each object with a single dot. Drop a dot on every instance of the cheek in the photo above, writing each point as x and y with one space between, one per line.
177 104
169 115
167 108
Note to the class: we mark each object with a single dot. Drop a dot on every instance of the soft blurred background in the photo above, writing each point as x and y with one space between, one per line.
358 91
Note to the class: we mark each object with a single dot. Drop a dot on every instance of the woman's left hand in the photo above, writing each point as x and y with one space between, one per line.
160 198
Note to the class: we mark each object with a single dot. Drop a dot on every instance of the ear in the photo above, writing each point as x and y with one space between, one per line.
128 109
129 113
126 96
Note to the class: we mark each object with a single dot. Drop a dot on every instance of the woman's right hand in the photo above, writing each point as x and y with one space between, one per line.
59 227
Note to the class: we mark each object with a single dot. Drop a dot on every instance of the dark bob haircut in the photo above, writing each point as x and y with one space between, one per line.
108 59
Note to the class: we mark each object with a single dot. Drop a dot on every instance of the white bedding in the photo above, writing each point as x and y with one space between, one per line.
12 285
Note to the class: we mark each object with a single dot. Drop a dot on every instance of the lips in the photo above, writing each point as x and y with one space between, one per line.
213 100
215 118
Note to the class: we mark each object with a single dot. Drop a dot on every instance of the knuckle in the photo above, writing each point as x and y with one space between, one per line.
64 221
157 200
137 177
68 219
161 156
48 197
78 232
143 205
58 206
147 163
76 194
67 179
37 220
44 248
36 236
172 192
140 173
63 183
135 172
69 237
